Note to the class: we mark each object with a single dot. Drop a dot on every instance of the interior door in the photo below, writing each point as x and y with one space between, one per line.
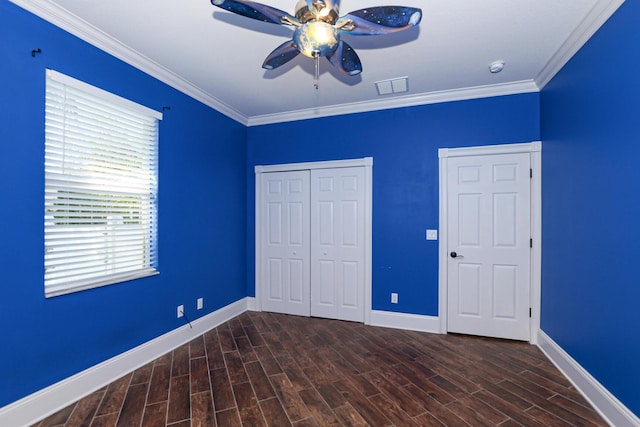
337 250
286 243
489 220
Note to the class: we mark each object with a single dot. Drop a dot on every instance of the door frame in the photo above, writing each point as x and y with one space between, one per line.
535 150
367 163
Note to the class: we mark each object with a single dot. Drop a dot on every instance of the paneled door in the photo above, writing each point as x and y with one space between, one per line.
337 249
286 243
489 231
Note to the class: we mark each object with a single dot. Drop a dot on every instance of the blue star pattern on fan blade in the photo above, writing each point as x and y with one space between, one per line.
345 59
281 55
379 20
254 10
390 16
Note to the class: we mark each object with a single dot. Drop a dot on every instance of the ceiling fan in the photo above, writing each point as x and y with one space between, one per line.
318 27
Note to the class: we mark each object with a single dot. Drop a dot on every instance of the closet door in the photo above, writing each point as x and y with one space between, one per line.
337 243
286 244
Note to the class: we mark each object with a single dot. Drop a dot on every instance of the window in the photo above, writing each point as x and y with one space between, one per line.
100 187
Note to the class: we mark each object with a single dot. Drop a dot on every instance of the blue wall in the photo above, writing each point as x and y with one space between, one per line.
587 118
591 206
201 216
404 145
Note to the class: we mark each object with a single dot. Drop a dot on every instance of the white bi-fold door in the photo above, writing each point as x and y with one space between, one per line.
313 249
489 232
286 245
337 243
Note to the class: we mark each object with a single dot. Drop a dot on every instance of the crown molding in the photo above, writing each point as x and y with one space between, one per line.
596 17
71 23
526 86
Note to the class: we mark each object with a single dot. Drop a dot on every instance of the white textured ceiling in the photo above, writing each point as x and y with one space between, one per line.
216 56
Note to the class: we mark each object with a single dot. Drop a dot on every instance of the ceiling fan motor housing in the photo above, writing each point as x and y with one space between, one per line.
319 13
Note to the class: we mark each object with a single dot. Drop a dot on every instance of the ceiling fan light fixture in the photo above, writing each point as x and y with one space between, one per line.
316 38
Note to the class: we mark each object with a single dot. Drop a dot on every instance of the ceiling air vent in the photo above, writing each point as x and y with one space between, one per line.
398 85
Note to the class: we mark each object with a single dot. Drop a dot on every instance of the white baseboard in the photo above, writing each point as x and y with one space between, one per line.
252 304
607 405
30 409
411 322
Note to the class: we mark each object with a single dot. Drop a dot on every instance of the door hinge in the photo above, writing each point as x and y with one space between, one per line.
530 172
531 243
529 311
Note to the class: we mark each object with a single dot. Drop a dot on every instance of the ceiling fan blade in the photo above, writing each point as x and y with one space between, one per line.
345 59
254 10
379 20
281 55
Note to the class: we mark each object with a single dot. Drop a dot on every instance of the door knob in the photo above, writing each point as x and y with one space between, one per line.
454 254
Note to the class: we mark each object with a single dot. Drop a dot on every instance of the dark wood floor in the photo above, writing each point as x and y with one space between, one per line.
264 369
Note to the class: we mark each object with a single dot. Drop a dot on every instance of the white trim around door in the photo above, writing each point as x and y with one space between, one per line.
367 163
535 149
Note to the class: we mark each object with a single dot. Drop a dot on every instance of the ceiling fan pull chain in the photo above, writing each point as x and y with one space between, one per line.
317 59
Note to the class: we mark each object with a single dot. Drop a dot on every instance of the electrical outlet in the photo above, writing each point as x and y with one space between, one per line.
180 311
394 298
200 303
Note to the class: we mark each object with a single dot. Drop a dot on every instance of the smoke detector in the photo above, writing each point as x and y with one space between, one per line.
496 66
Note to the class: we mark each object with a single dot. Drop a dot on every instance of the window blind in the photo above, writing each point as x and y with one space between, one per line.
100 222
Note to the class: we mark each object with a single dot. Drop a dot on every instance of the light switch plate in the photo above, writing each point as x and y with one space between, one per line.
432 234
200 304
